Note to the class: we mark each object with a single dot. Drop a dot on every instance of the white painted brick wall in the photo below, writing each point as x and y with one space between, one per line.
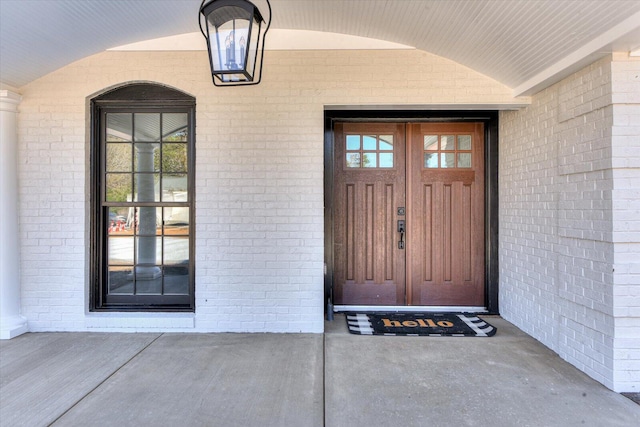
568 193
259 179
625 81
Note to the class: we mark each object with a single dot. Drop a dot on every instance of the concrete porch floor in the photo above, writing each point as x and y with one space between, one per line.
335 379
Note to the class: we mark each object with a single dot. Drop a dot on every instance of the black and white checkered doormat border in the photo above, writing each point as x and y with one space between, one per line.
419 324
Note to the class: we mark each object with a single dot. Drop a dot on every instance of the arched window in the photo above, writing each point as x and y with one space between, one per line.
142 228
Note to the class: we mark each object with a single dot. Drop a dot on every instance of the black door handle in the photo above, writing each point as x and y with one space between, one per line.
401 230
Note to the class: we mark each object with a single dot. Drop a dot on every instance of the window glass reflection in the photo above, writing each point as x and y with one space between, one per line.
146 188
120 250
118 157
118 187
176 280
147 127
174 127
174 187
119 126
176 250
176 220
120 280
174 157
147 157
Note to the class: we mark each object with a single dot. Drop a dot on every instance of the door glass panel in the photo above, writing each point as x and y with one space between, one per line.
430 142
464 160
353 160
353 142
369 151
386 160
431 160
446 151
369 160
369 142
464 142
448 160
386 143
447 142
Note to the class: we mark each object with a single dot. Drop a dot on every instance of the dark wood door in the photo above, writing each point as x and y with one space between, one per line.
445 239
369 187
429 175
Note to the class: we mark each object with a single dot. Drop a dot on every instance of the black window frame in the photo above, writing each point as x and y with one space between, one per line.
135 98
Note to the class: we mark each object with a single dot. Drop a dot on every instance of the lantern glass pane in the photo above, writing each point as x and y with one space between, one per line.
228 28
253 44
232 41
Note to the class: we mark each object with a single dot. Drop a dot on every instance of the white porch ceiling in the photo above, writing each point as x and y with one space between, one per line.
524 44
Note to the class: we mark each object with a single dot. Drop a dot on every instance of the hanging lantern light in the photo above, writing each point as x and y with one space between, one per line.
235 34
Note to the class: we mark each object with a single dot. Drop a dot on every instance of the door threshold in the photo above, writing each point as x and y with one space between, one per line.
409 308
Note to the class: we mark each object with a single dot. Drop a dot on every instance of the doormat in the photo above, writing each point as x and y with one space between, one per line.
419 324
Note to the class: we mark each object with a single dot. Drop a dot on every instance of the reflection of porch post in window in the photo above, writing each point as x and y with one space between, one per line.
145 190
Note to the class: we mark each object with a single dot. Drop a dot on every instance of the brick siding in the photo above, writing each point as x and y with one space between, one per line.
259 179
569 227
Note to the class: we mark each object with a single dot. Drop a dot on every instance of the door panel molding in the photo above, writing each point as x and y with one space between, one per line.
447 206
370 268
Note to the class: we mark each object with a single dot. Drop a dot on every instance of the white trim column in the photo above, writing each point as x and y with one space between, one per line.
12 323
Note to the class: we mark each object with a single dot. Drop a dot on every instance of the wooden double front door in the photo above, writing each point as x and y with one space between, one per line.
408 214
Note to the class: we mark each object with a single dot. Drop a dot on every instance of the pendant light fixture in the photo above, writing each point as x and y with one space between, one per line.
235 32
